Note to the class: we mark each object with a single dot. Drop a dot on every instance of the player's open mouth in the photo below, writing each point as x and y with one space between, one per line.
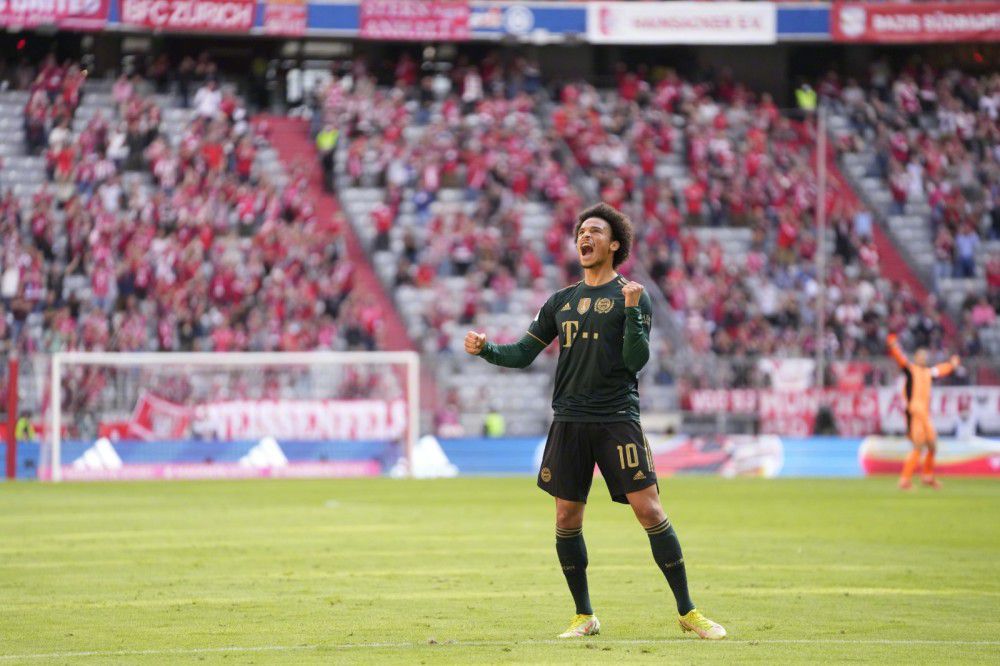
586 249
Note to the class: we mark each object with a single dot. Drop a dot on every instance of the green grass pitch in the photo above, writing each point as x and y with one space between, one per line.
464 571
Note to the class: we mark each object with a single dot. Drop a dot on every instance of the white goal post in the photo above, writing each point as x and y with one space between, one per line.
138 372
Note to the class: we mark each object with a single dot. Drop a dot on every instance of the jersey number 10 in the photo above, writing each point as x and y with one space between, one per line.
628 453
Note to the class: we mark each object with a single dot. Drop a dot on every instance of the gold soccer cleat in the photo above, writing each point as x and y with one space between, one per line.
701 625
582 625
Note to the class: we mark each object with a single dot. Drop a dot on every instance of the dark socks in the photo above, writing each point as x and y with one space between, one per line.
573 558
667 553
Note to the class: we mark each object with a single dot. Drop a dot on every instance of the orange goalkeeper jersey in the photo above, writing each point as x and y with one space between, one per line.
917 390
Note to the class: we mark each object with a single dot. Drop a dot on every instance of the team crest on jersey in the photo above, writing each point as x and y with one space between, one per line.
583 305
603 305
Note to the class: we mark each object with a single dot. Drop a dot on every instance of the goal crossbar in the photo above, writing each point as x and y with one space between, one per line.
233 359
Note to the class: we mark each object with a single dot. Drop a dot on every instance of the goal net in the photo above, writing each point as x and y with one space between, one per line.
230 415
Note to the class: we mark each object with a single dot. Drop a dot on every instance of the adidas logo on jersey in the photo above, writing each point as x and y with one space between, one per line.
639 476
564 308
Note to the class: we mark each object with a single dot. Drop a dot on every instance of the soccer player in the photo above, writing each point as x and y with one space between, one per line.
601 325
917 393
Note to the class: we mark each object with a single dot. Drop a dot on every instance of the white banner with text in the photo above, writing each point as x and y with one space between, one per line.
682 23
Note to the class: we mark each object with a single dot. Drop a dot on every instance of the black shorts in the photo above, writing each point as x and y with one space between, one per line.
619 449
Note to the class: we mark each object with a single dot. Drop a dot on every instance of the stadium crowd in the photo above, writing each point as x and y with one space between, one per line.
471 130
937 140
145 241
748 165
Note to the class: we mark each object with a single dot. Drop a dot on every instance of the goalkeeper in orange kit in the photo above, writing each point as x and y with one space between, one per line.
917 393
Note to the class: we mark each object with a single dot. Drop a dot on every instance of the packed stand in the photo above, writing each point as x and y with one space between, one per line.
454 185
936 141
459 153
147 241
741 164
937 138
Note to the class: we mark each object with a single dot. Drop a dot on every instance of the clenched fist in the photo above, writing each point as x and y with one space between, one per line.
632 291
474 342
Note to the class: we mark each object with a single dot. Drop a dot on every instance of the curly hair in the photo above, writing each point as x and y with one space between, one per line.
621 229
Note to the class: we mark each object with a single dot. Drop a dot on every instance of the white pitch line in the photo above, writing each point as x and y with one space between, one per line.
139 653
409 645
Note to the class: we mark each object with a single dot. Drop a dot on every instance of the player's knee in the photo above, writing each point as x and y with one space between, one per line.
649 513
569 516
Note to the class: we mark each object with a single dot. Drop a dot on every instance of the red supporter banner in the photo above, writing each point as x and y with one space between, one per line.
415 20
285 17
729 401
969 407
302 419
917 22
181 15
156 418
793 413
851 375
855 412
65 14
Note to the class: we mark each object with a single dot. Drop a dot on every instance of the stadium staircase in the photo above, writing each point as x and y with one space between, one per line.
291 141
892 264
24 175
904 239
290 137
911 228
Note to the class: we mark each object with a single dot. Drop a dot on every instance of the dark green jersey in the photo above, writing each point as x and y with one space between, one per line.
602 347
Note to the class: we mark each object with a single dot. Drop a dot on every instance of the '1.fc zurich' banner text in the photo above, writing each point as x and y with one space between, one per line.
918 22
681 23
181 15
415 20
66 14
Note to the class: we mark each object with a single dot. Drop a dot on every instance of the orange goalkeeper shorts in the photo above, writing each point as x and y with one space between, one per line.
919 429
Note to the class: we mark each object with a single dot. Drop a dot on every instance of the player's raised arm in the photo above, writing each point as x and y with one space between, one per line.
638 318
948 367
895 352
520 354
